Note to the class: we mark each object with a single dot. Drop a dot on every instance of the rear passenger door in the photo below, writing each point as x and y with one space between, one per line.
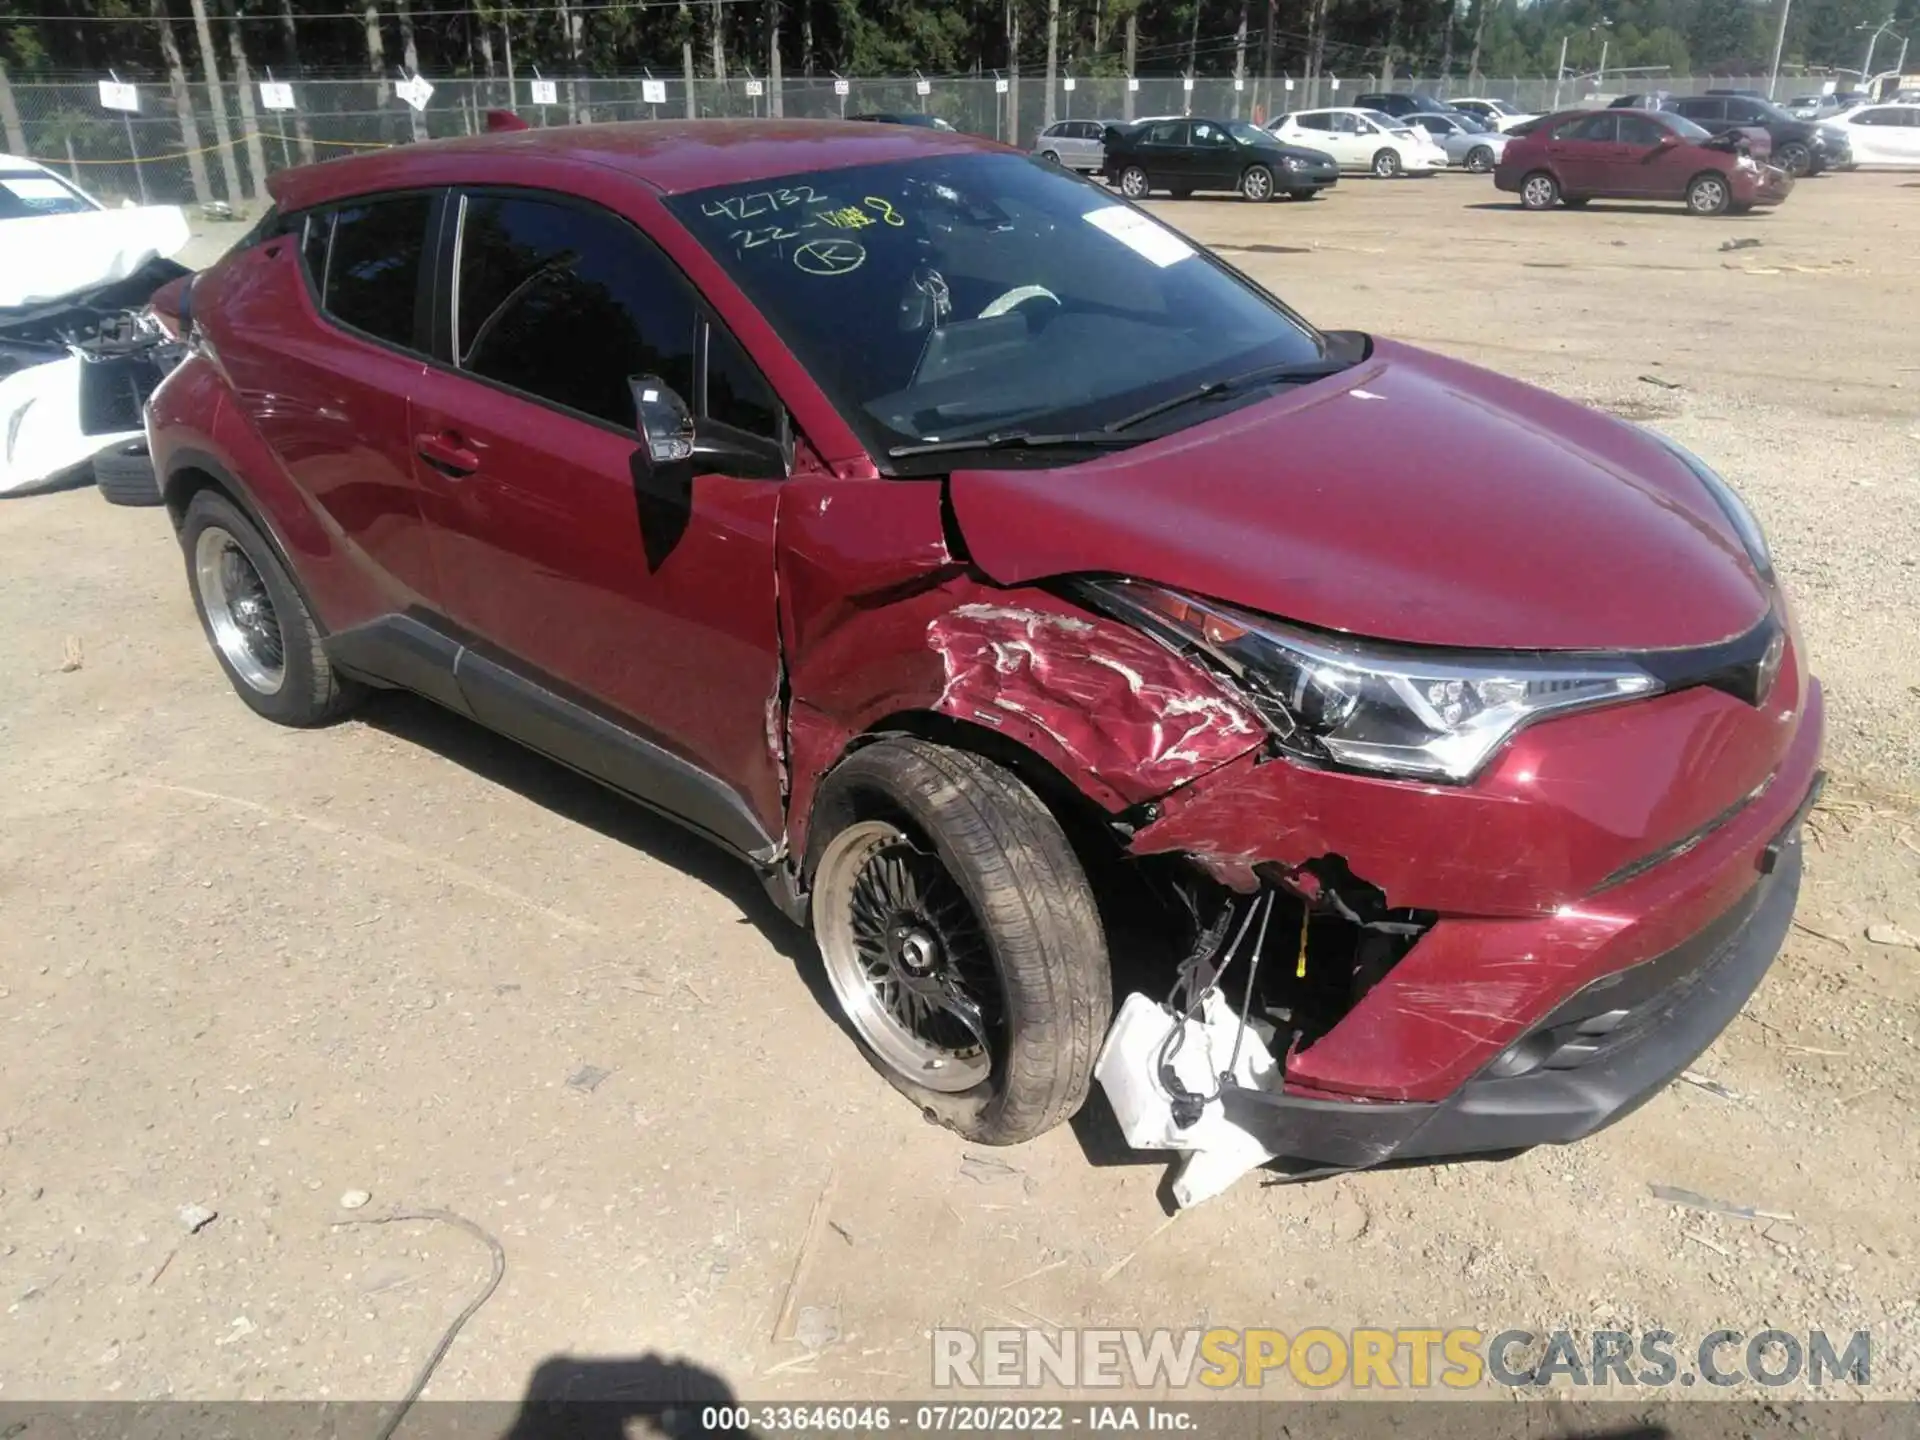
636 628
1163 154
1215 163
331 328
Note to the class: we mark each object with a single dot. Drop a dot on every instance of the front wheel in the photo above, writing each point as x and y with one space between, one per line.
1133 183
1480 159
1386 164
1794 158
1539 191
1051 156
960 938
1708 194
1257 184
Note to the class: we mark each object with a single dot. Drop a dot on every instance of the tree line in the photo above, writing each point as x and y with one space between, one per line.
1461 39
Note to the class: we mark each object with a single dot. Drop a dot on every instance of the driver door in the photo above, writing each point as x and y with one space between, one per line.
1216 160
627 635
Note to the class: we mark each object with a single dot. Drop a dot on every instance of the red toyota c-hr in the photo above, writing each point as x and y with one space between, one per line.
1008 580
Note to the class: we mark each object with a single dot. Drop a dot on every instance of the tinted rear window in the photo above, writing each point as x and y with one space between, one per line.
372 275
26 193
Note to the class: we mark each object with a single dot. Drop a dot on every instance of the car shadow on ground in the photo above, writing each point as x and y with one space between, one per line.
585 802
570 1398
1624 207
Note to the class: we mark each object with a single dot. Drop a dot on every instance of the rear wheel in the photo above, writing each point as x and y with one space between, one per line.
255 620
960 937
1052 155
1386 164
1257 184
1708 194
1539 191
1480 159
1794 158
1133 183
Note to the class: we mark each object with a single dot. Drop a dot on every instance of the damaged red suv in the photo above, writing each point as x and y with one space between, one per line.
1039 606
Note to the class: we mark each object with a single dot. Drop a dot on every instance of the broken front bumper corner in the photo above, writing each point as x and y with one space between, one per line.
1595 1059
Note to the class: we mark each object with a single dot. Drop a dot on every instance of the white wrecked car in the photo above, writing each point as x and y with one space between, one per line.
79 349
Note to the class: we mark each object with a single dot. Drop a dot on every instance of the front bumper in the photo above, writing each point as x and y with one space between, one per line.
1595 1059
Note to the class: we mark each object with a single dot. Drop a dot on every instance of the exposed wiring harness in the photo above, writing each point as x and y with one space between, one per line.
1187 1105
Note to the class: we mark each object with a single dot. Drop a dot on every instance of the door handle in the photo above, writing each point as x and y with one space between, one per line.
445 453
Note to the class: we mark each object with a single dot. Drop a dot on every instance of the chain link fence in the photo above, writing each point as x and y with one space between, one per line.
190 144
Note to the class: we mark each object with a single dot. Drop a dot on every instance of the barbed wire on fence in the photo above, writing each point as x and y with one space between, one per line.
148 153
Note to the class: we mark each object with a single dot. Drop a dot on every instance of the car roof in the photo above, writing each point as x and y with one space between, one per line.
672 156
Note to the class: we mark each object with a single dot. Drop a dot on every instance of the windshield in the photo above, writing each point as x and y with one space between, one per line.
25 193
1385 121
956 296
1248 134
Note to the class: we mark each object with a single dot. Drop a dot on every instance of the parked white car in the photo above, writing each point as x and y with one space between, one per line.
78 353
1496 113
1362 140
1880 134
1076 144
1467 144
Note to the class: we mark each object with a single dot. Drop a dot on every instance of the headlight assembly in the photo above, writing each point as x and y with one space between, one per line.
1294 162
1393 710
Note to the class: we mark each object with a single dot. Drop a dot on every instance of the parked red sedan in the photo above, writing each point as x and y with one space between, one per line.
1003 577
1584 155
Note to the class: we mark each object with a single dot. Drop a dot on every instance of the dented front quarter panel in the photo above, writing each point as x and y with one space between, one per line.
880 620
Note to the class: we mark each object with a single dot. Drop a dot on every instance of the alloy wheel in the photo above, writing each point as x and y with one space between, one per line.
1538 192
1257 184
1480 160
1708 195
240 611
1133 183
907 957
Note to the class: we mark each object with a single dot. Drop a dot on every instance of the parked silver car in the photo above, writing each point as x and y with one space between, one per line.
1073 143
1469 145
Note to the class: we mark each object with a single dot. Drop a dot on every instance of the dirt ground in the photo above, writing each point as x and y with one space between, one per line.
251 969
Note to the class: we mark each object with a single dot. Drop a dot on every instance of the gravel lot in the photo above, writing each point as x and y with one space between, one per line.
252 970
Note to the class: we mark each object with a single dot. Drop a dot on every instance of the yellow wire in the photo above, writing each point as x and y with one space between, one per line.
1300 968
209 149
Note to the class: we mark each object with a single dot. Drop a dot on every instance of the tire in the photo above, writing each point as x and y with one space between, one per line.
255 620
1708 193
1050 155
1539 191
1181 194
1386 164
124 475
968 834
1740 207
1133 182
1576 202
1303 194
1794 158
1257 184
1480 159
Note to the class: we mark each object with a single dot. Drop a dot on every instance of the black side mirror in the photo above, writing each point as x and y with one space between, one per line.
663 420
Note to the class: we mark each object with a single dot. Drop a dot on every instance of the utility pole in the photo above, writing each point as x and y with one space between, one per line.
1013 73
10 116
1267 110
1240 59
249 116
1053 59
1560 72
719 43
216 101
182 105
1779 44
410 56
776 106
1133 48
290 47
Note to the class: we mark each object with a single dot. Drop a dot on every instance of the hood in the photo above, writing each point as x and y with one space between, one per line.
1410 498
45 257
1273 145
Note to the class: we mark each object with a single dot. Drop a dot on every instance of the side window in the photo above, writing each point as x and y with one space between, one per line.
1640 130
1744 112
1166 133
1602 127
1877 117
1702 109
1206 134
373 268
737 394
1313 122
568 304
1088 130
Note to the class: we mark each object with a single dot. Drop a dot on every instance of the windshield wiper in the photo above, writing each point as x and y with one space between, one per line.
1265 375
1012 440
